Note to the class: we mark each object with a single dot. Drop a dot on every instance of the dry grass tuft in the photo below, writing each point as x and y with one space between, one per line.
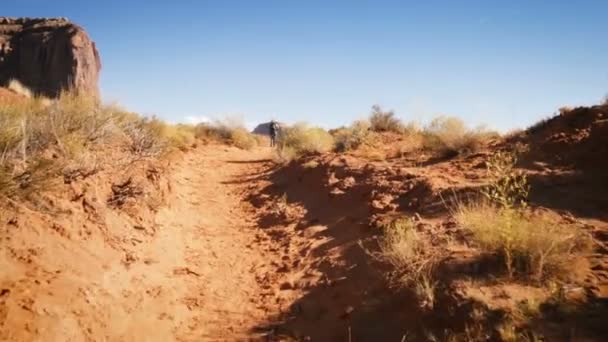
413 257
42 139
230 131
449 135
350 138
301 139
528 244
385 121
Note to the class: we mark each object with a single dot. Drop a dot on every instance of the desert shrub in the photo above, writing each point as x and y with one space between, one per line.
229 131
350 138
243 139
301 139
412 255
408 143
529 244
385 121
508 187
449 135
207 132
180 136
147 137
39 138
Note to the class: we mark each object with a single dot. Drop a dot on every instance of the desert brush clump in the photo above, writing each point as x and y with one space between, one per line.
508 187
229 131
412 256
301 139
449 135
385 121
350 138
527 243
40 139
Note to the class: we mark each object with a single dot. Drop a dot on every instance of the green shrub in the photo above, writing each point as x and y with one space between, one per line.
508 187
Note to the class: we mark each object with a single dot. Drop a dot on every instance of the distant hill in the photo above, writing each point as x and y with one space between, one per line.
264 128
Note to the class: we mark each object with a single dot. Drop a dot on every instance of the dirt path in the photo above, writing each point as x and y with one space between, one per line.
225 258
217 254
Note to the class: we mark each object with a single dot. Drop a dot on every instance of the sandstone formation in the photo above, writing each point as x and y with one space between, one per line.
264 128
48 55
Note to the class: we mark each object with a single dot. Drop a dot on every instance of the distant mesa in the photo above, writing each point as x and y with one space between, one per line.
264 128
48 55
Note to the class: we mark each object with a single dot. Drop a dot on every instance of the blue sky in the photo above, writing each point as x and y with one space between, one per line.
503 63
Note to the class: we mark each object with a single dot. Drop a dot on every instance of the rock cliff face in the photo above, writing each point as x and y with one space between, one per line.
48 56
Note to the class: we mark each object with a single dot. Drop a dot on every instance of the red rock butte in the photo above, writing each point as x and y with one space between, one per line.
48 55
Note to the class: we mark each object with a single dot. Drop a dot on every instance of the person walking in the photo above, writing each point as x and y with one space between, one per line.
274 132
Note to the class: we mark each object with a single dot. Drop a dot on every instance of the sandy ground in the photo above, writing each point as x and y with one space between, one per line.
203 272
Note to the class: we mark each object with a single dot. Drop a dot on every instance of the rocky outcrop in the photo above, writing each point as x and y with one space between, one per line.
264 128
48 56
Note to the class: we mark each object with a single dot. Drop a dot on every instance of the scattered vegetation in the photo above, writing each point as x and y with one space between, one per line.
301 139
230 131
352 137
444 135
530 244
385 121
450 136
508 187
41 139
413 257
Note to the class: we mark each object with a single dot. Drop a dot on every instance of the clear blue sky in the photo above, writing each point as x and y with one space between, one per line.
504 63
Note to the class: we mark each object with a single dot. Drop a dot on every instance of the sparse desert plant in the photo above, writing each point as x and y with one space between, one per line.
180 136
385 121
243 139
410 142
146 136
301 139
39 138
508 187
230 131
413 257
350 138
449 135
529 243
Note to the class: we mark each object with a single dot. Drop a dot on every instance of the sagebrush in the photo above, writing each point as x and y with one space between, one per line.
301 139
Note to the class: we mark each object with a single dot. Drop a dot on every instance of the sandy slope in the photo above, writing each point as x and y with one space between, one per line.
200 270
214 254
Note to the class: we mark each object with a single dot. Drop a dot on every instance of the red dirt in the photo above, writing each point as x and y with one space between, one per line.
224 245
